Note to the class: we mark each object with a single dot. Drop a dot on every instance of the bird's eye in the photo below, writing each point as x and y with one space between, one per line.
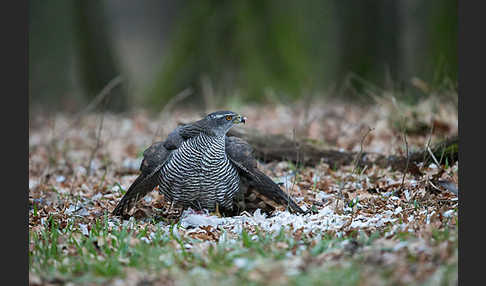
229 117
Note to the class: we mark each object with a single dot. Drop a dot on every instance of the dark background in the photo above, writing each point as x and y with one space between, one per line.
238 51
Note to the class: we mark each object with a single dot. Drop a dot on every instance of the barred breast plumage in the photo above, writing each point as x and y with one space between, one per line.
200 174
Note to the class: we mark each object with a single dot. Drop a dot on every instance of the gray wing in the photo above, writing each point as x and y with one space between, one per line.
154 159
240 154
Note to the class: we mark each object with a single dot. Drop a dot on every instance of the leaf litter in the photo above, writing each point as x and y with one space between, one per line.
351 206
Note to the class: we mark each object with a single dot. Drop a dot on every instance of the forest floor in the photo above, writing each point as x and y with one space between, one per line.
369 226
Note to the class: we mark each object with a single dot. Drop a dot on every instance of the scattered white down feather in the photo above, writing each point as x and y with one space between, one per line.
325 220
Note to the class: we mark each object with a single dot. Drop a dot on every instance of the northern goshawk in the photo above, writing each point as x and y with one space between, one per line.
198 165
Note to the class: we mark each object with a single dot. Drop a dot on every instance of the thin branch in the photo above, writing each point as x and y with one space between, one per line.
51 148
428 144
434 186
406 166
98 99
358 156
356 162
98 139
433 157
103 93
296 168
93 104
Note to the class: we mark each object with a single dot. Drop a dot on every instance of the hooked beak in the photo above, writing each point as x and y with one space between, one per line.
239 119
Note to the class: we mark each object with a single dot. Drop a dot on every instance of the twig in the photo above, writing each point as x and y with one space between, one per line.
347 224
356 162
94 103
173 101
442 154
433 157
103 93
71 191
358 156
296 168
439 174
404 135
98 140
434 186
427 146
372 87
406 166
51 148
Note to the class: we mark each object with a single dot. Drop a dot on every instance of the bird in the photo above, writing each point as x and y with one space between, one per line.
199 166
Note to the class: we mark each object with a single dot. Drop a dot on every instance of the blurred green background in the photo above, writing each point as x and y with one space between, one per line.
238 51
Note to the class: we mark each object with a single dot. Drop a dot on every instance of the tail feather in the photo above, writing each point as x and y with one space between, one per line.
267 187
139 188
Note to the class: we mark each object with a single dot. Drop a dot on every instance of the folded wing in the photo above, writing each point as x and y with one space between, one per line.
240 154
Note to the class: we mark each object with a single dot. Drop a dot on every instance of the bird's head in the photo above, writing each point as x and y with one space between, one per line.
220 122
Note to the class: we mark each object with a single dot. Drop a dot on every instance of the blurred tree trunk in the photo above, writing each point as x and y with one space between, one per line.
368 41
428 45
96 60
51 77
413 42
252 46
442 35
387 43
